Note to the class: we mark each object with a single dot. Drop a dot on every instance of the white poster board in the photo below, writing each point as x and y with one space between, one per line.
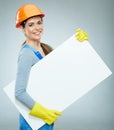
62 77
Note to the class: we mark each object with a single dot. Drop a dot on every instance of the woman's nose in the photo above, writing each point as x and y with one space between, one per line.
37 26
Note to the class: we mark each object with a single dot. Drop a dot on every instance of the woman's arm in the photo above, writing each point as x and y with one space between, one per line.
25 61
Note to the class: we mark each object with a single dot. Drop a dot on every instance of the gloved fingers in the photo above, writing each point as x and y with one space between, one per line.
51 117
49 120
78 32
82 38
85 36
81 35
58 113
52 114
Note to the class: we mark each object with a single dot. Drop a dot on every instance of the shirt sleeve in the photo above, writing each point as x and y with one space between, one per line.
26 60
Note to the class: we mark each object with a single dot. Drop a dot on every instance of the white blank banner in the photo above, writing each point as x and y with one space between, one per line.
62 77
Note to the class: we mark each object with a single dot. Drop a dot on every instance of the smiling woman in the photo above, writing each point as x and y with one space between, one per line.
29 19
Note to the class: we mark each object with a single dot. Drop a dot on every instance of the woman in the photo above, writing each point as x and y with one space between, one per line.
29 19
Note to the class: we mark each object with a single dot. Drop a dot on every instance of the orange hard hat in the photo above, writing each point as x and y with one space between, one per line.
26 11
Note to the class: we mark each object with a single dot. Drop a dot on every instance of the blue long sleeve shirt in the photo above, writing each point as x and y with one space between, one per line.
26 60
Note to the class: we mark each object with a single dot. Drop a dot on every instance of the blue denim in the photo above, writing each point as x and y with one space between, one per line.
25 126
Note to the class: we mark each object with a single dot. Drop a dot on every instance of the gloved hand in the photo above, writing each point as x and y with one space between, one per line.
48 116
81 35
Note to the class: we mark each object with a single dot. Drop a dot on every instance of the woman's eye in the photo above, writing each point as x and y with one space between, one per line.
30 25
40 22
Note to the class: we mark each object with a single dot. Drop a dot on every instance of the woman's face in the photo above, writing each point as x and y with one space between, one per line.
33 29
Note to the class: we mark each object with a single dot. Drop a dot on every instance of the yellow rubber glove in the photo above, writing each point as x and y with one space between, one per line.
81 35
48 116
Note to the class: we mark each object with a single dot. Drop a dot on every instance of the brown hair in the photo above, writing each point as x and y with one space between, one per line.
46 48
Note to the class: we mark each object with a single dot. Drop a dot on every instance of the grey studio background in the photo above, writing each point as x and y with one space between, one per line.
95 110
